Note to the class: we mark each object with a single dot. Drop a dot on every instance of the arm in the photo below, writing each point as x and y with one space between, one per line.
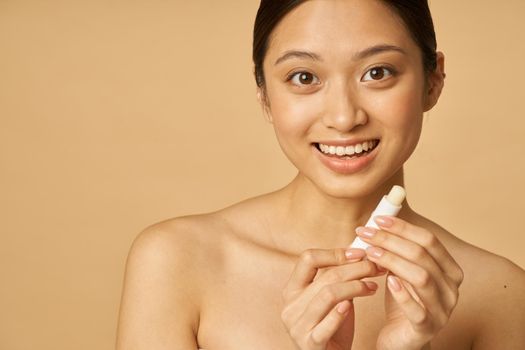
158 310
503 308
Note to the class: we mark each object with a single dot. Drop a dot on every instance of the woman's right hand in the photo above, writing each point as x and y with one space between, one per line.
318 303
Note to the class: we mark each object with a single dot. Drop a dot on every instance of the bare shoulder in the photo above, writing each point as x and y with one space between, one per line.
479 264
493 281
486 274
188 245
163 283
494 292
492 295
183 237
493 274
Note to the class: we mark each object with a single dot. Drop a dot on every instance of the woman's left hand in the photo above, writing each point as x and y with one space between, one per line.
423 282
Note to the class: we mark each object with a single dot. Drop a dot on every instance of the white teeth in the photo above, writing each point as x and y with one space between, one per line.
348 150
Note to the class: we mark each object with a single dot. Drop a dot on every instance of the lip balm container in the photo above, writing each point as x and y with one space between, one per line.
389 205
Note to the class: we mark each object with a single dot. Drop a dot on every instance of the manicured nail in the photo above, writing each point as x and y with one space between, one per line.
394 283
367 232
383 221
375 252
353 253
343 307
381 269
371 285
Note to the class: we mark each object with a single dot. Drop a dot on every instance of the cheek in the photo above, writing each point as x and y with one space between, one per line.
293 114
399 109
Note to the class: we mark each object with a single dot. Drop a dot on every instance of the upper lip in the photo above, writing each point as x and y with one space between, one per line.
346 142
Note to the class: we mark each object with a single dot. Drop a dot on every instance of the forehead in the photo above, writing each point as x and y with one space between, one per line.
340 27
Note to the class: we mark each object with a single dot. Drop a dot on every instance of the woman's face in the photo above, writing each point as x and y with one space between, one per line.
323 85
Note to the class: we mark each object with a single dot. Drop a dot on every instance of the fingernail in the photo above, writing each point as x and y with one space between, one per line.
375 252
393 283
367 232
343 307
381 268
371 285
383 221
353 253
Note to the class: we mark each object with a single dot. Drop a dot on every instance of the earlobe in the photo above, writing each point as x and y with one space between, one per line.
264 105
267 114
436 81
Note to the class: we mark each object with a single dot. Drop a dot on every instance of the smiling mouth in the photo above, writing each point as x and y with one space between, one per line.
347 152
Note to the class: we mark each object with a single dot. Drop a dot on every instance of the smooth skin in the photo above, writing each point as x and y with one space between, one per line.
423 282
271 272
316 308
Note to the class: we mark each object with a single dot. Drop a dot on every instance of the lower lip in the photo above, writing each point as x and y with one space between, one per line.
346 166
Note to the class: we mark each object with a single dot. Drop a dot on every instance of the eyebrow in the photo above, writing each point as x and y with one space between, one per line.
370 51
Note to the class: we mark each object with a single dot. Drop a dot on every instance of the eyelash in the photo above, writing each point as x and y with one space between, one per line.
293 74
392 71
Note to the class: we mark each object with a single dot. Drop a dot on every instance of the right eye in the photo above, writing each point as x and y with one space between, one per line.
303 78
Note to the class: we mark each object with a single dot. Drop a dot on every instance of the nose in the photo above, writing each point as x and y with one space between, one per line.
343 111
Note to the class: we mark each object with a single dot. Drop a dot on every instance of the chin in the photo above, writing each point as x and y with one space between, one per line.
359 185
347 188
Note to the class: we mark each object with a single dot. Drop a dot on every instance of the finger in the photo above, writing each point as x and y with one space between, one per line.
416 254
423 283
413 311
326 329
333 277
311 260
348 272
321 304
340 276
427 240
404 248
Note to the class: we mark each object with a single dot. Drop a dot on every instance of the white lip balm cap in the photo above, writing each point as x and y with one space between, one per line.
389 205
397 195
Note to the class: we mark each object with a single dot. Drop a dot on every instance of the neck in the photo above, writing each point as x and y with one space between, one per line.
314 219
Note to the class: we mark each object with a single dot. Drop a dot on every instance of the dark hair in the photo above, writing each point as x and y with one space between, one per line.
415 15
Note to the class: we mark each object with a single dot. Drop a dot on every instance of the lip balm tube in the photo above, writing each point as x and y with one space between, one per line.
389 205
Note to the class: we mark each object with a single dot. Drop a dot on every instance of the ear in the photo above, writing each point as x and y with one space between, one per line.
261 97
436 81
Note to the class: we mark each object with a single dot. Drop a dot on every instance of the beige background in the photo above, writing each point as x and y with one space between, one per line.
118 114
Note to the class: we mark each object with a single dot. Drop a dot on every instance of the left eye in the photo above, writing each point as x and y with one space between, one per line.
377 73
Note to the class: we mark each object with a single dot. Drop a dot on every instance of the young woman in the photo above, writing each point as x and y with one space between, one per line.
345 84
